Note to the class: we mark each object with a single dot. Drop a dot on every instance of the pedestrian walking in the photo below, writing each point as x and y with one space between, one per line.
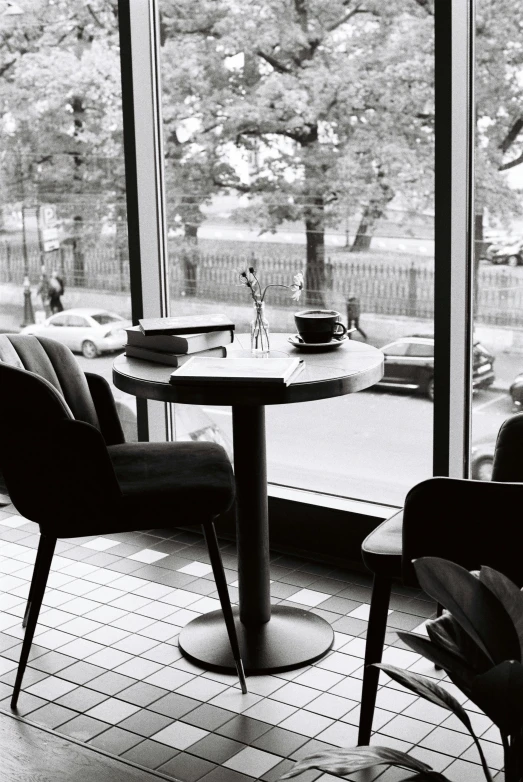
43 291
56 291
353 314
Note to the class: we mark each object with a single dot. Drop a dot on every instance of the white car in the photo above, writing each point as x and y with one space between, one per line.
84 330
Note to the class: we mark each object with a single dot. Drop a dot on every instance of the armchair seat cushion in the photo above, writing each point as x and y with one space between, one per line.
172 483
382 549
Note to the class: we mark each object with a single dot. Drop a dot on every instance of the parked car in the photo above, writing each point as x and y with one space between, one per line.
409 363
509 251
85 330
482 458
516 391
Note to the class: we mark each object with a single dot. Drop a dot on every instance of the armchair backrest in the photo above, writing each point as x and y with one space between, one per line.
508 455
55 363
472 523
45 405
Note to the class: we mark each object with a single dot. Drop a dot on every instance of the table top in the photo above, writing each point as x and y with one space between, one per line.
350 367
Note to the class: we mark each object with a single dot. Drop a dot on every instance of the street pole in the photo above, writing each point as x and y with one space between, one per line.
29 316
24 239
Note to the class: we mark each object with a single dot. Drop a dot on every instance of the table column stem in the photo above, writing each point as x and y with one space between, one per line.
252 518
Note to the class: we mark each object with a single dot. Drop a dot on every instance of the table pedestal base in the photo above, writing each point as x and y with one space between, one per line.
292 638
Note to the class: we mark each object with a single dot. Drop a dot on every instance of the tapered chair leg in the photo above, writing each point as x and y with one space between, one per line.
373 651
34 582
439 611
40 574
225 601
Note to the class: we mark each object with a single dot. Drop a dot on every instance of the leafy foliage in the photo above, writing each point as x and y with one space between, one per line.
349 761
477 642
61 128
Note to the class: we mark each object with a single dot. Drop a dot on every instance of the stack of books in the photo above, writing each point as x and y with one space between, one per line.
173 341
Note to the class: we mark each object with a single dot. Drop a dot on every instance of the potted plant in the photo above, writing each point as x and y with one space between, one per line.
478 642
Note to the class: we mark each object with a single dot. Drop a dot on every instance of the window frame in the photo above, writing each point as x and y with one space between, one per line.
145 183
454 224
454 236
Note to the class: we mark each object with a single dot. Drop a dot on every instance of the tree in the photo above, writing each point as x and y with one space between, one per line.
60 103
309 97
499 117
194 77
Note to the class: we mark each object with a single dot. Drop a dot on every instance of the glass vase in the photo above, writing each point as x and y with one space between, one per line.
259 331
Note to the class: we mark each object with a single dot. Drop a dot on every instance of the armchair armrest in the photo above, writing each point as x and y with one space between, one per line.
473 523
105 407
68 478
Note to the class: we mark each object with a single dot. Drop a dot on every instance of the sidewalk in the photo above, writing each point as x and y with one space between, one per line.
505 344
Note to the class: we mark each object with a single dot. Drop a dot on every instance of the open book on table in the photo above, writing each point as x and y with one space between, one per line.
278 371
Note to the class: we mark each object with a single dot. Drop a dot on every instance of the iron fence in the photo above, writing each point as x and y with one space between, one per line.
383 288
100 268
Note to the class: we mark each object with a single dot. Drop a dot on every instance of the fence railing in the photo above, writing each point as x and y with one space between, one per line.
103 268
382 288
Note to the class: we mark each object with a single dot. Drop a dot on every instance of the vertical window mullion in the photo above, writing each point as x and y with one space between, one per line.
143 147
454 227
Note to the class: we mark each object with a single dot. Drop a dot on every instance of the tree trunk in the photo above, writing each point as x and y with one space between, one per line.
372 213
479 248
190 258
191 233
122 244
78 220
78 253
365 229
315 272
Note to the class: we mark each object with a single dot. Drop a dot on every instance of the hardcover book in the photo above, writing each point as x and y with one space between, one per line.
185 324
170 359
175 343
278 371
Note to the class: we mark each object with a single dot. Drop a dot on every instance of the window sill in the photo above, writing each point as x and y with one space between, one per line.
322 528
345 504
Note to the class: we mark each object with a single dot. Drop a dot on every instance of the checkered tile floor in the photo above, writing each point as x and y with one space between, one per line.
105 666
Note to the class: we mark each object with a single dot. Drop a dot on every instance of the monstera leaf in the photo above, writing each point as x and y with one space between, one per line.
348 761
472 605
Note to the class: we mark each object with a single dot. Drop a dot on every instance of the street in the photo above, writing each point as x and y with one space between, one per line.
373 445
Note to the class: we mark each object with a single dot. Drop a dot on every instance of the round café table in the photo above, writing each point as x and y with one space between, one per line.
277 638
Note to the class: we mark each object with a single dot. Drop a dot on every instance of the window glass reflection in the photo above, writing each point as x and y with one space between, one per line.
299 137
498 283
63 240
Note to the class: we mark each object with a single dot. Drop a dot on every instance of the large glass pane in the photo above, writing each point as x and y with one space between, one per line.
498 308
63 186
299 137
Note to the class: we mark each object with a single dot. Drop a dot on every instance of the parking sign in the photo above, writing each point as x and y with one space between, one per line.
48 224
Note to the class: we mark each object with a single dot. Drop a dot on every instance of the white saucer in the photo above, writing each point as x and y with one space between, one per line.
335 342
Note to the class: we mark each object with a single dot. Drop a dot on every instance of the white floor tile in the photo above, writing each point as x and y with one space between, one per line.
101 544
179 735
252 761
148 556
196 569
